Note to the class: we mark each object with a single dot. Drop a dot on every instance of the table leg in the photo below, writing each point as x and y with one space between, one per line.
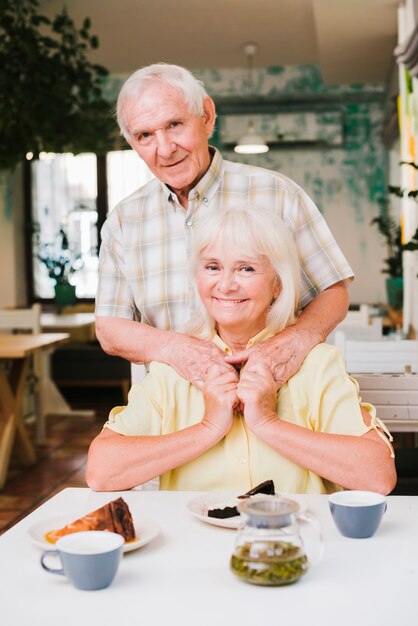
12 428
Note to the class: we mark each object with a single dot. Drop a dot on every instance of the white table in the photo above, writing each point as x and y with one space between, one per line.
182 578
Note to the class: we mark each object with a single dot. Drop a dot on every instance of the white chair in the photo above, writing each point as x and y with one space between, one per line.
358 318
27 320
138 373
395 397
373 330
385 356
21 319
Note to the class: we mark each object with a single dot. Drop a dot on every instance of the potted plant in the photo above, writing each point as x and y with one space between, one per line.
61 262
393 262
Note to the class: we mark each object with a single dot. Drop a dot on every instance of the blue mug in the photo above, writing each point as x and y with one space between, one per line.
89 559
357 514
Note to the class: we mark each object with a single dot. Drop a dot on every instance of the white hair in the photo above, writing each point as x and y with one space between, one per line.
178 77
259 232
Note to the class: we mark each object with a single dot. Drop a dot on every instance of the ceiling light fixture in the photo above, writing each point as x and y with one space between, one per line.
251 142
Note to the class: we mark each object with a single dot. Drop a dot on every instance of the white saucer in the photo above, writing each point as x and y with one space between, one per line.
145 529
200 505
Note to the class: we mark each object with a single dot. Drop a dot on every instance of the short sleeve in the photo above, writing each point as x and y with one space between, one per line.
322 261
114 295
333 396
144 411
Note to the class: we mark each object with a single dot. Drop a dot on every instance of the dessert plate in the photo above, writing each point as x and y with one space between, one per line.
200 505
145 529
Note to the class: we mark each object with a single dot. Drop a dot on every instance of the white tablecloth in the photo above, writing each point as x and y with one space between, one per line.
183 577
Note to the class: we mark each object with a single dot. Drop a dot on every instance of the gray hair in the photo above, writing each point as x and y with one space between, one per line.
178 77
259 232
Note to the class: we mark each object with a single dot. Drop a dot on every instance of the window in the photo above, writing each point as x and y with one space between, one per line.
66 193
125 173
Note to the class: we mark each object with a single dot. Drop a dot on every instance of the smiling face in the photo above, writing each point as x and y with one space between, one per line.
171 140
236 288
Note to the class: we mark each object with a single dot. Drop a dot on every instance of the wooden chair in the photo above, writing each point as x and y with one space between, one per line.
27 321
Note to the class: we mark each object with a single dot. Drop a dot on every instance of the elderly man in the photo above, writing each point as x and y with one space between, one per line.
144 296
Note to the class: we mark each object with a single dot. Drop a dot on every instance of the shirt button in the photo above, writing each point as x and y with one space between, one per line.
189 223
243 460
205 200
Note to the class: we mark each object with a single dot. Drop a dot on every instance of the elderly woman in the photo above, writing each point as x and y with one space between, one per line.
311 436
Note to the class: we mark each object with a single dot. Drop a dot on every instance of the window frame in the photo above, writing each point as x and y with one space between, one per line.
102 211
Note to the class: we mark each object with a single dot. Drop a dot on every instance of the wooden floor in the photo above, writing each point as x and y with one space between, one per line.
61 462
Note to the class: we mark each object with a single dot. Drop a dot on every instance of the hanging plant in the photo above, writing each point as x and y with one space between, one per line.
50 93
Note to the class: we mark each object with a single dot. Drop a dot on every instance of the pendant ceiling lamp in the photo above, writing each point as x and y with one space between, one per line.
251 142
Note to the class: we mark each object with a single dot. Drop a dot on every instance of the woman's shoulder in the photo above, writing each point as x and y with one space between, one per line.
322 355
321 369
161 371
164 375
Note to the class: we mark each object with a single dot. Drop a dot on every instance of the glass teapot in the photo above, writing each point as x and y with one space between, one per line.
269 549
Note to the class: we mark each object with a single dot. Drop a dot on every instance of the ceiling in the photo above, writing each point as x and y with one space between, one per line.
351 40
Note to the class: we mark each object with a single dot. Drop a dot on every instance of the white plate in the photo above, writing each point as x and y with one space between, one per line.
145 529
200 505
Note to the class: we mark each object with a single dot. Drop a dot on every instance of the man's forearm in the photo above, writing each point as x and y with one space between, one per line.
133 341
140 343
323 314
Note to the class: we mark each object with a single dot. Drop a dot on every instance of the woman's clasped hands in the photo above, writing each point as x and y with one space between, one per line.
253 393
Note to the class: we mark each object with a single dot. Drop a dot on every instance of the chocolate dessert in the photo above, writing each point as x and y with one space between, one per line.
223 511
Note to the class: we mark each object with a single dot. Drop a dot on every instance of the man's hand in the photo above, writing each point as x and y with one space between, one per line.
192 358
283 354
220 394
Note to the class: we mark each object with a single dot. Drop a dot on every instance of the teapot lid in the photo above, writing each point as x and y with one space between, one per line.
269 512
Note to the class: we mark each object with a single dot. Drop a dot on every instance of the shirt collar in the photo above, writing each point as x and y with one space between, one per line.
207 186
263 335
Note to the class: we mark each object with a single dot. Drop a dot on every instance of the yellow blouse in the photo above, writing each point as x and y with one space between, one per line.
320 396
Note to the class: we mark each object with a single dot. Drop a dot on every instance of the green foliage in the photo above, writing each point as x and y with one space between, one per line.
50 94
413 244
392 234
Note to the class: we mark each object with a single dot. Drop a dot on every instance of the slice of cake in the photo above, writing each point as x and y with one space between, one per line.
229 509
114 516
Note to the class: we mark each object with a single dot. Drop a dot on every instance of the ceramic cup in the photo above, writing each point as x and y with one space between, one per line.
89 559
357 514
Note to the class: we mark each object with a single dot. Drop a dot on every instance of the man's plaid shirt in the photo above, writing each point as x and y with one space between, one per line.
146 238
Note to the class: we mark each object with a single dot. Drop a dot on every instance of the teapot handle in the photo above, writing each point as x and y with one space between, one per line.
314 542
